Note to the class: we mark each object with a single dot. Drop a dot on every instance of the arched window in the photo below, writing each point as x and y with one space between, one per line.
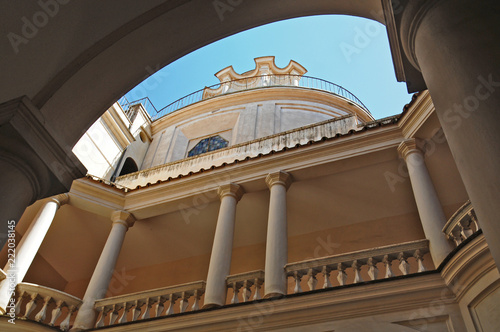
129 166
208 144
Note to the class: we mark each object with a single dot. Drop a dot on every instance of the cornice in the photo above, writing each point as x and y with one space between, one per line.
117 127
96 197
468 266
417 114
152 200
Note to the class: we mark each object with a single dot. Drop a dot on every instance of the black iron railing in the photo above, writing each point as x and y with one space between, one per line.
255 82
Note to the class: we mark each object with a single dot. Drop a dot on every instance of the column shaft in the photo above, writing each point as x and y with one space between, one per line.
428 205
103 272
29 245
220 259
277 238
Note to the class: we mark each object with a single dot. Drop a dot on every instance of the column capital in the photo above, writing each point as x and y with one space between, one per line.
407 147
60 199
123 217
231 189
279 177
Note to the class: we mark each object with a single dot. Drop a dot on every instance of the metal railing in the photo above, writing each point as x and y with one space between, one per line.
147 104
256 82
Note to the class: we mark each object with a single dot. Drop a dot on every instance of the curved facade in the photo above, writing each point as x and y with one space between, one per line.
262 102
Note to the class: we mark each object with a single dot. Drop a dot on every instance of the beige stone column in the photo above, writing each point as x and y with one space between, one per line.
27 248
454 43
103 271
277 239
429 208
220 259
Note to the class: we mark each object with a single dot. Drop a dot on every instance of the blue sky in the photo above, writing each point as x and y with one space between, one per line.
350 51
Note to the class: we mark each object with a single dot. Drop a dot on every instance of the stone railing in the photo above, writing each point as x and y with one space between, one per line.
142 303
245 281
51 302
356 261
462 224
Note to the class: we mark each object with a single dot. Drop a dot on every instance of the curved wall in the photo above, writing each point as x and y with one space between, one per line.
242 117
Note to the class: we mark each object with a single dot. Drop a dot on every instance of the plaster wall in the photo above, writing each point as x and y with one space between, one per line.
238 124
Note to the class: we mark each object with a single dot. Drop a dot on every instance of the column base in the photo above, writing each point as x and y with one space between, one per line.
211 306
273 295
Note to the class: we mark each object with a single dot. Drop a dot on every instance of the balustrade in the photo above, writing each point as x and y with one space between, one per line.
462 224
50 302
141 304
245 282
358 261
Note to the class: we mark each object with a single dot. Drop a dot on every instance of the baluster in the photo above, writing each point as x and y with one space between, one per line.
149 303
403 264
31 305
196 304
65 323
56 312
19 302
257 282
419 257
104 313
465 230
114 313
235 288
387 263
356 266
137 310
184 302
160 306
126 310
372 268
312 281
42 314
247 291
456 236
326 276
171 299
297 276
473 218
342 276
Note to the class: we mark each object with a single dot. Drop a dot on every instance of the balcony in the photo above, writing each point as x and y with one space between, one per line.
397 261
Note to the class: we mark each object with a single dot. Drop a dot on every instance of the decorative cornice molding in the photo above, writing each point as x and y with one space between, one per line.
279 177
123 217
230 189
407 147
420 109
